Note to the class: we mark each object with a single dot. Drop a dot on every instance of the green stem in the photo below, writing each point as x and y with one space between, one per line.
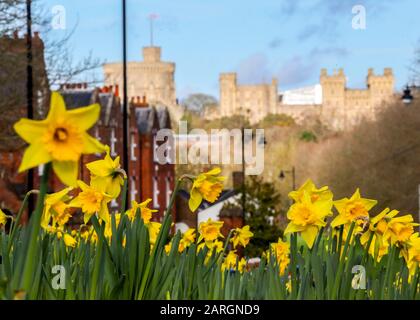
15 223
341 263
293 264
35 225
163 233
124 196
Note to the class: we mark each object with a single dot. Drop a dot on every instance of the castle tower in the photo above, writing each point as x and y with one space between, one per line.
333 88
151 78
380 87
228 89
151 54
333 98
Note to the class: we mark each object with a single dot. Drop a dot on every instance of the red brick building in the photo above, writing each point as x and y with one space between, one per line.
147 177
13 80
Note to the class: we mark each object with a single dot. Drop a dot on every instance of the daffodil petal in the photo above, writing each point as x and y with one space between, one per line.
99 168
34 155
338 221
195 200
66 171
85 117
214 172
291 227
309 235
30 130
57 106
91 145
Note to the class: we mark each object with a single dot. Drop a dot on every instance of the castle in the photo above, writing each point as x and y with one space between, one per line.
151 78
337 106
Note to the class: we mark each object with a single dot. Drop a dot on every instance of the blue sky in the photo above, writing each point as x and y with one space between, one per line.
289 39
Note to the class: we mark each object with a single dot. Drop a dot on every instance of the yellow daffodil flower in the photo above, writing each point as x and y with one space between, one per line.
154 228
107 172
210 230
207 186
69 241
400 229
92 201
56 207
168 248
232 262
145 212
316 194
378 227
3 218
281 251
352 209
307 217
58 231
108 225
241 236
188 238
61 138
411 253
211 245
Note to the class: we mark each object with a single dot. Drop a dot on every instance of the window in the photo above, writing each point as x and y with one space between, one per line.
155 192
133 189
168 190
133 146
113 140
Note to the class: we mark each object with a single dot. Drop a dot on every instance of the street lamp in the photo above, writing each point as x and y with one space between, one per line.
407 97
283 174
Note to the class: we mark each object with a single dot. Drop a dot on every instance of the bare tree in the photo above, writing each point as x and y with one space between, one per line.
53 64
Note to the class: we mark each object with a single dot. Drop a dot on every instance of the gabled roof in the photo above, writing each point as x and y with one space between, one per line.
164 117
151 117
146 119
79 98
109 105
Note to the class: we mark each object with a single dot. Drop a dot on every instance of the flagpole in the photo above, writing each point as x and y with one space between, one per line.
125 102
29 92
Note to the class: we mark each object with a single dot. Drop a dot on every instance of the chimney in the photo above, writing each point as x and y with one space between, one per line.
15 34
144 100
117 90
